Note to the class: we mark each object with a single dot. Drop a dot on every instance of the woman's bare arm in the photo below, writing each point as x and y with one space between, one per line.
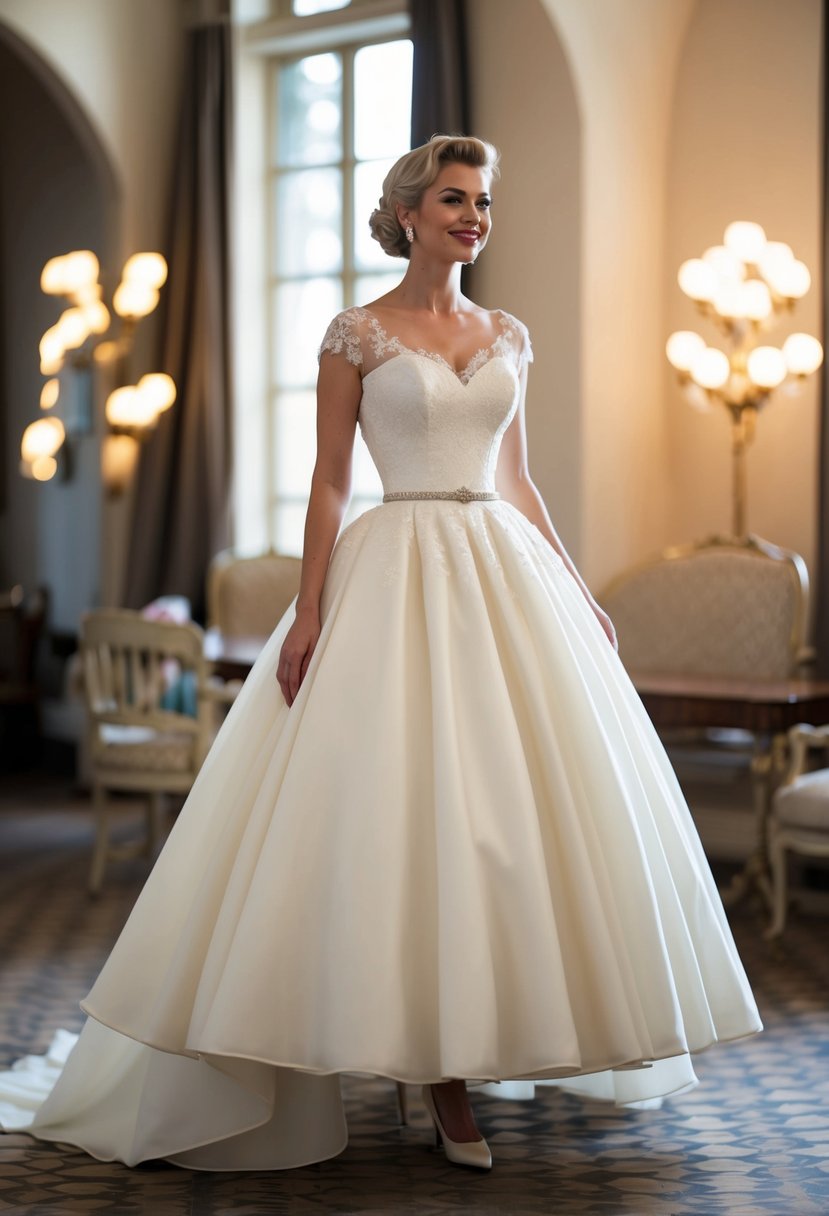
513 480
339 390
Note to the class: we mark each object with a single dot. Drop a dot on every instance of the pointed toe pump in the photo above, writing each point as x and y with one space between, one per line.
474 1153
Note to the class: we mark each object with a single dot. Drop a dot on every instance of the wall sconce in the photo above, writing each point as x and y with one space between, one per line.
742 286
82 337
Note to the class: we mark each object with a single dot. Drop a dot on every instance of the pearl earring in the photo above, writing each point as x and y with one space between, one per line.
409 233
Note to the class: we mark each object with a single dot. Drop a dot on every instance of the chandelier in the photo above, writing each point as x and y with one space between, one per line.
743 286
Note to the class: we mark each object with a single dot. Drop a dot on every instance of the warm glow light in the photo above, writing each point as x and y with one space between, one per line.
42 438
44 468
72 328
724 263
793 280
118 458
756 300
106 352
745 240
133 299
80 269
126 407
682 347
158 390
728 298
49 394
697 280
710 368
147 269
52 351
803 354
776 255
766 366
96 316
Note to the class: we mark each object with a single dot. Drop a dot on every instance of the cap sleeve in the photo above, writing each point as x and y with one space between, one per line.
343 337
517 337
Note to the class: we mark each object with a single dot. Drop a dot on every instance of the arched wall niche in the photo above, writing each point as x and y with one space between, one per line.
58 191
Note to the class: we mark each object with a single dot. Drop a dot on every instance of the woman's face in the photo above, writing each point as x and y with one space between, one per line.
453 221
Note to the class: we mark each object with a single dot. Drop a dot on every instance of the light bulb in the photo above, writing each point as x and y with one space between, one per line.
118 458
803 354
96 315
73 328
134 299
149 269
126 407
756 300
682 347
44 468
52 347
766 366
158 389
793 280
711 368
724 263
697 280
728 298
777 254
42 438
745 240
53 276
80 270
49 394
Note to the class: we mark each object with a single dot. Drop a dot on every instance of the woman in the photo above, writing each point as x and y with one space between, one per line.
447 846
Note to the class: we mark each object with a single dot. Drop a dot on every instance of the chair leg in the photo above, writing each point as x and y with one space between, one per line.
403 1101
99 857
777 859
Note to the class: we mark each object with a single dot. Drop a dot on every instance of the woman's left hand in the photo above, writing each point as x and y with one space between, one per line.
607 625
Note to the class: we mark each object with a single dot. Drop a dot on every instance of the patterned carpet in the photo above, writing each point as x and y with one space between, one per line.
751 1140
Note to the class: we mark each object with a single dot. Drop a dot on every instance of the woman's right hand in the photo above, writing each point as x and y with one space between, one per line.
295 655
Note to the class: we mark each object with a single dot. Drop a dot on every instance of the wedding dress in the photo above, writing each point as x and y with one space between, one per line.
462 852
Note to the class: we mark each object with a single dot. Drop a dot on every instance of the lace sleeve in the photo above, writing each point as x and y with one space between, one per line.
343 336
518 338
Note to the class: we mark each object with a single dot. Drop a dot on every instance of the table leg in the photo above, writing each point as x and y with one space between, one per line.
767 767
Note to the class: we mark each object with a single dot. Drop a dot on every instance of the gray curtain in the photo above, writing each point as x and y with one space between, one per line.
440 79
821 588
181 516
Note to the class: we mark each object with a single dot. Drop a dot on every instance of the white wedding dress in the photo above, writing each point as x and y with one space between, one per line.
462 852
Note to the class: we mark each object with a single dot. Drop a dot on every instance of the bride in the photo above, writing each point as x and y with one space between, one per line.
445 844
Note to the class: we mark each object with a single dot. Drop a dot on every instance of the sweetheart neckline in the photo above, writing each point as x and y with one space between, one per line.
432 355
439 361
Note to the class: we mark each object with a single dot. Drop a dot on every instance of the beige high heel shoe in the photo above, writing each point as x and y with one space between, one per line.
462 1152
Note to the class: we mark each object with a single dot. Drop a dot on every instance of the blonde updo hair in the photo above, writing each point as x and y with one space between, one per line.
410 176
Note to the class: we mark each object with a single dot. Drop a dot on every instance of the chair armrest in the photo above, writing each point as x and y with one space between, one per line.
803 739
219 691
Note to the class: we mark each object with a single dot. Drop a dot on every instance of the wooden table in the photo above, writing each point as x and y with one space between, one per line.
232 657
767 708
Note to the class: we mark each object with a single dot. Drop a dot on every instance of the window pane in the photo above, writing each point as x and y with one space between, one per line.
289 527
372 286
302 312
368 184
309 111
308 222
295 442
307 8
383 99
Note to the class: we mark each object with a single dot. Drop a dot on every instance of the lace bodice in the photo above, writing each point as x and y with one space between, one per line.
427 425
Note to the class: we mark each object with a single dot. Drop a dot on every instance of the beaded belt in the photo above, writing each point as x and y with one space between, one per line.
460 495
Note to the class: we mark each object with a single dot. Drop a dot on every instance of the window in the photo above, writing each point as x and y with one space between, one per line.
339 118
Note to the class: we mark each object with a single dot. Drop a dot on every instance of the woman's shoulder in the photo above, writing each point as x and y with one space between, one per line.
515 333
344 334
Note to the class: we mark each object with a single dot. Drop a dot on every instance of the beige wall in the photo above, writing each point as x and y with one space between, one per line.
745 144
524 102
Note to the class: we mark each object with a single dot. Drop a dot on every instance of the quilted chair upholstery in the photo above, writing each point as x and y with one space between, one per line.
722 607
137 742
246 596
799 820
